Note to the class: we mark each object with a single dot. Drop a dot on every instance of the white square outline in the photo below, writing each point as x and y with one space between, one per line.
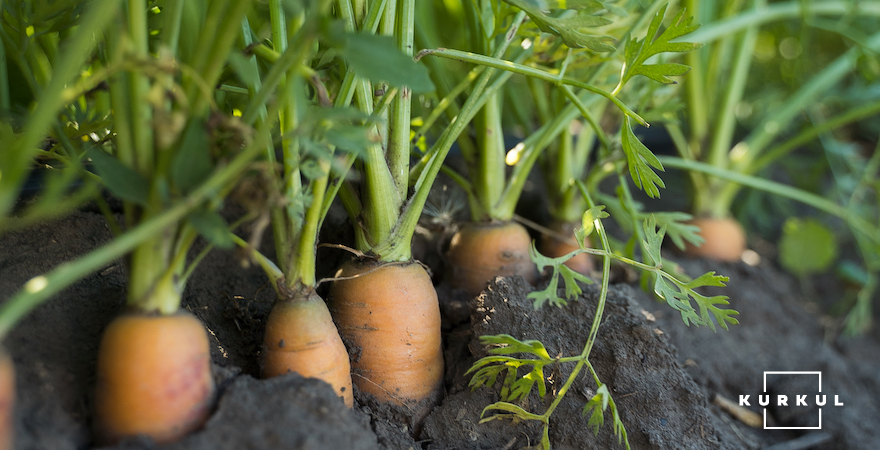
793 373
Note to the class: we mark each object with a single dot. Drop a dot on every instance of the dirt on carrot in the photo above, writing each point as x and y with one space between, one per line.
389 312
301 337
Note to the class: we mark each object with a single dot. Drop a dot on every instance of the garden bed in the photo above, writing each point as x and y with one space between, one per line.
662 374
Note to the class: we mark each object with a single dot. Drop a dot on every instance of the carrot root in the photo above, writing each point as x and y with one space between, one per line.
7 400
301 337
480 252
153 377
389 316
724 239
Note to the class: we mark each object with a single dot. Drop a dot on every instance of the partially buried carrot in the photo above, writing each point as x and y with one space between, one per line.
301 337
389 314
480 251
154 377
723 239
7 400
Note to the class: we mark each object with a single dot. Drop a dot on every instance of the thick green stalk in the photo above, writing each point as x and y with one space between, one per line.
722 136
487 179
398 153
173 15
398 247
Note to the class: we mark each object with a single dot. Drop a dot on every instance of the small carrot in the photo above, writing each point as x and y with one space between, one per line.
554 246
388 313
153 377
301 337
480 251
723 239
7 400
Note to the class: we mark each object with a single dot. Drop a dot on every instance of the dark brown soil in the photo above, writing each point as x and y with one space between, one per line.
662 374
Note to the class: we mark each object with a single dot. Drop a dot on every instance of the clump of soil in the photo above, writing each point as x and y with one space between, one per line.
662 374
660 404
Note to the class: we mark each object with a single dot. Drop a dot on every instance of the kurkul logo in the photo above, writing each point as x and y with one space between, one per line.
798 400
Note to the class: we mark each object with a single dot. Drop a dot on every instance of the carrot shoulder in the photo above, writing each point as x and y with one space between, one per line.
301 337
723 239
388 313
153 377
482 251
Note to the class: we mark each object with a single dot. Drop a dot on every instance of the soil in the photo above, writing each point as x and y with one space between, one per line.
663 376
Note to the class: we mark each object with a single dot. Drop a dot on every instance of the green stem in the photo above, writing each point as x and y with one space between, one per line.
398 153
765 132
42 287
726 122
807 135
781 11
857 223
398 247
496 63
487 178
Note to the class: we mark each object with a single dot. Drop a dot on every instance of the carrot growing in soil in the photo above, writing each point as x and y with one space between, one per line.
300 334
154 370
384 302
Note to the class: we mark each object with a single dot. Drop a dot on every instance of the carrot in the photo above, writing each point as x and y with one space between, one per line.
389 315
7 400
153 377
480 251
301 337
554 245
724 239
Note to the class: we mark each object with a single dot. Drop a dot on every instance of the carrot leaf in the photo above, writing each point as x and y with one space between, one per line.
569 24
677 228
486 370
679 294
641 162
597 406
570 279
638 52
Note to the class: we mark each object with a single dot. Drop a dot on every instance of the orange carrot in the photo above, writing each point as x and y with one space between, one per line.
554 246
301 337
389 315
724 239
7 400
480 251
154 377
